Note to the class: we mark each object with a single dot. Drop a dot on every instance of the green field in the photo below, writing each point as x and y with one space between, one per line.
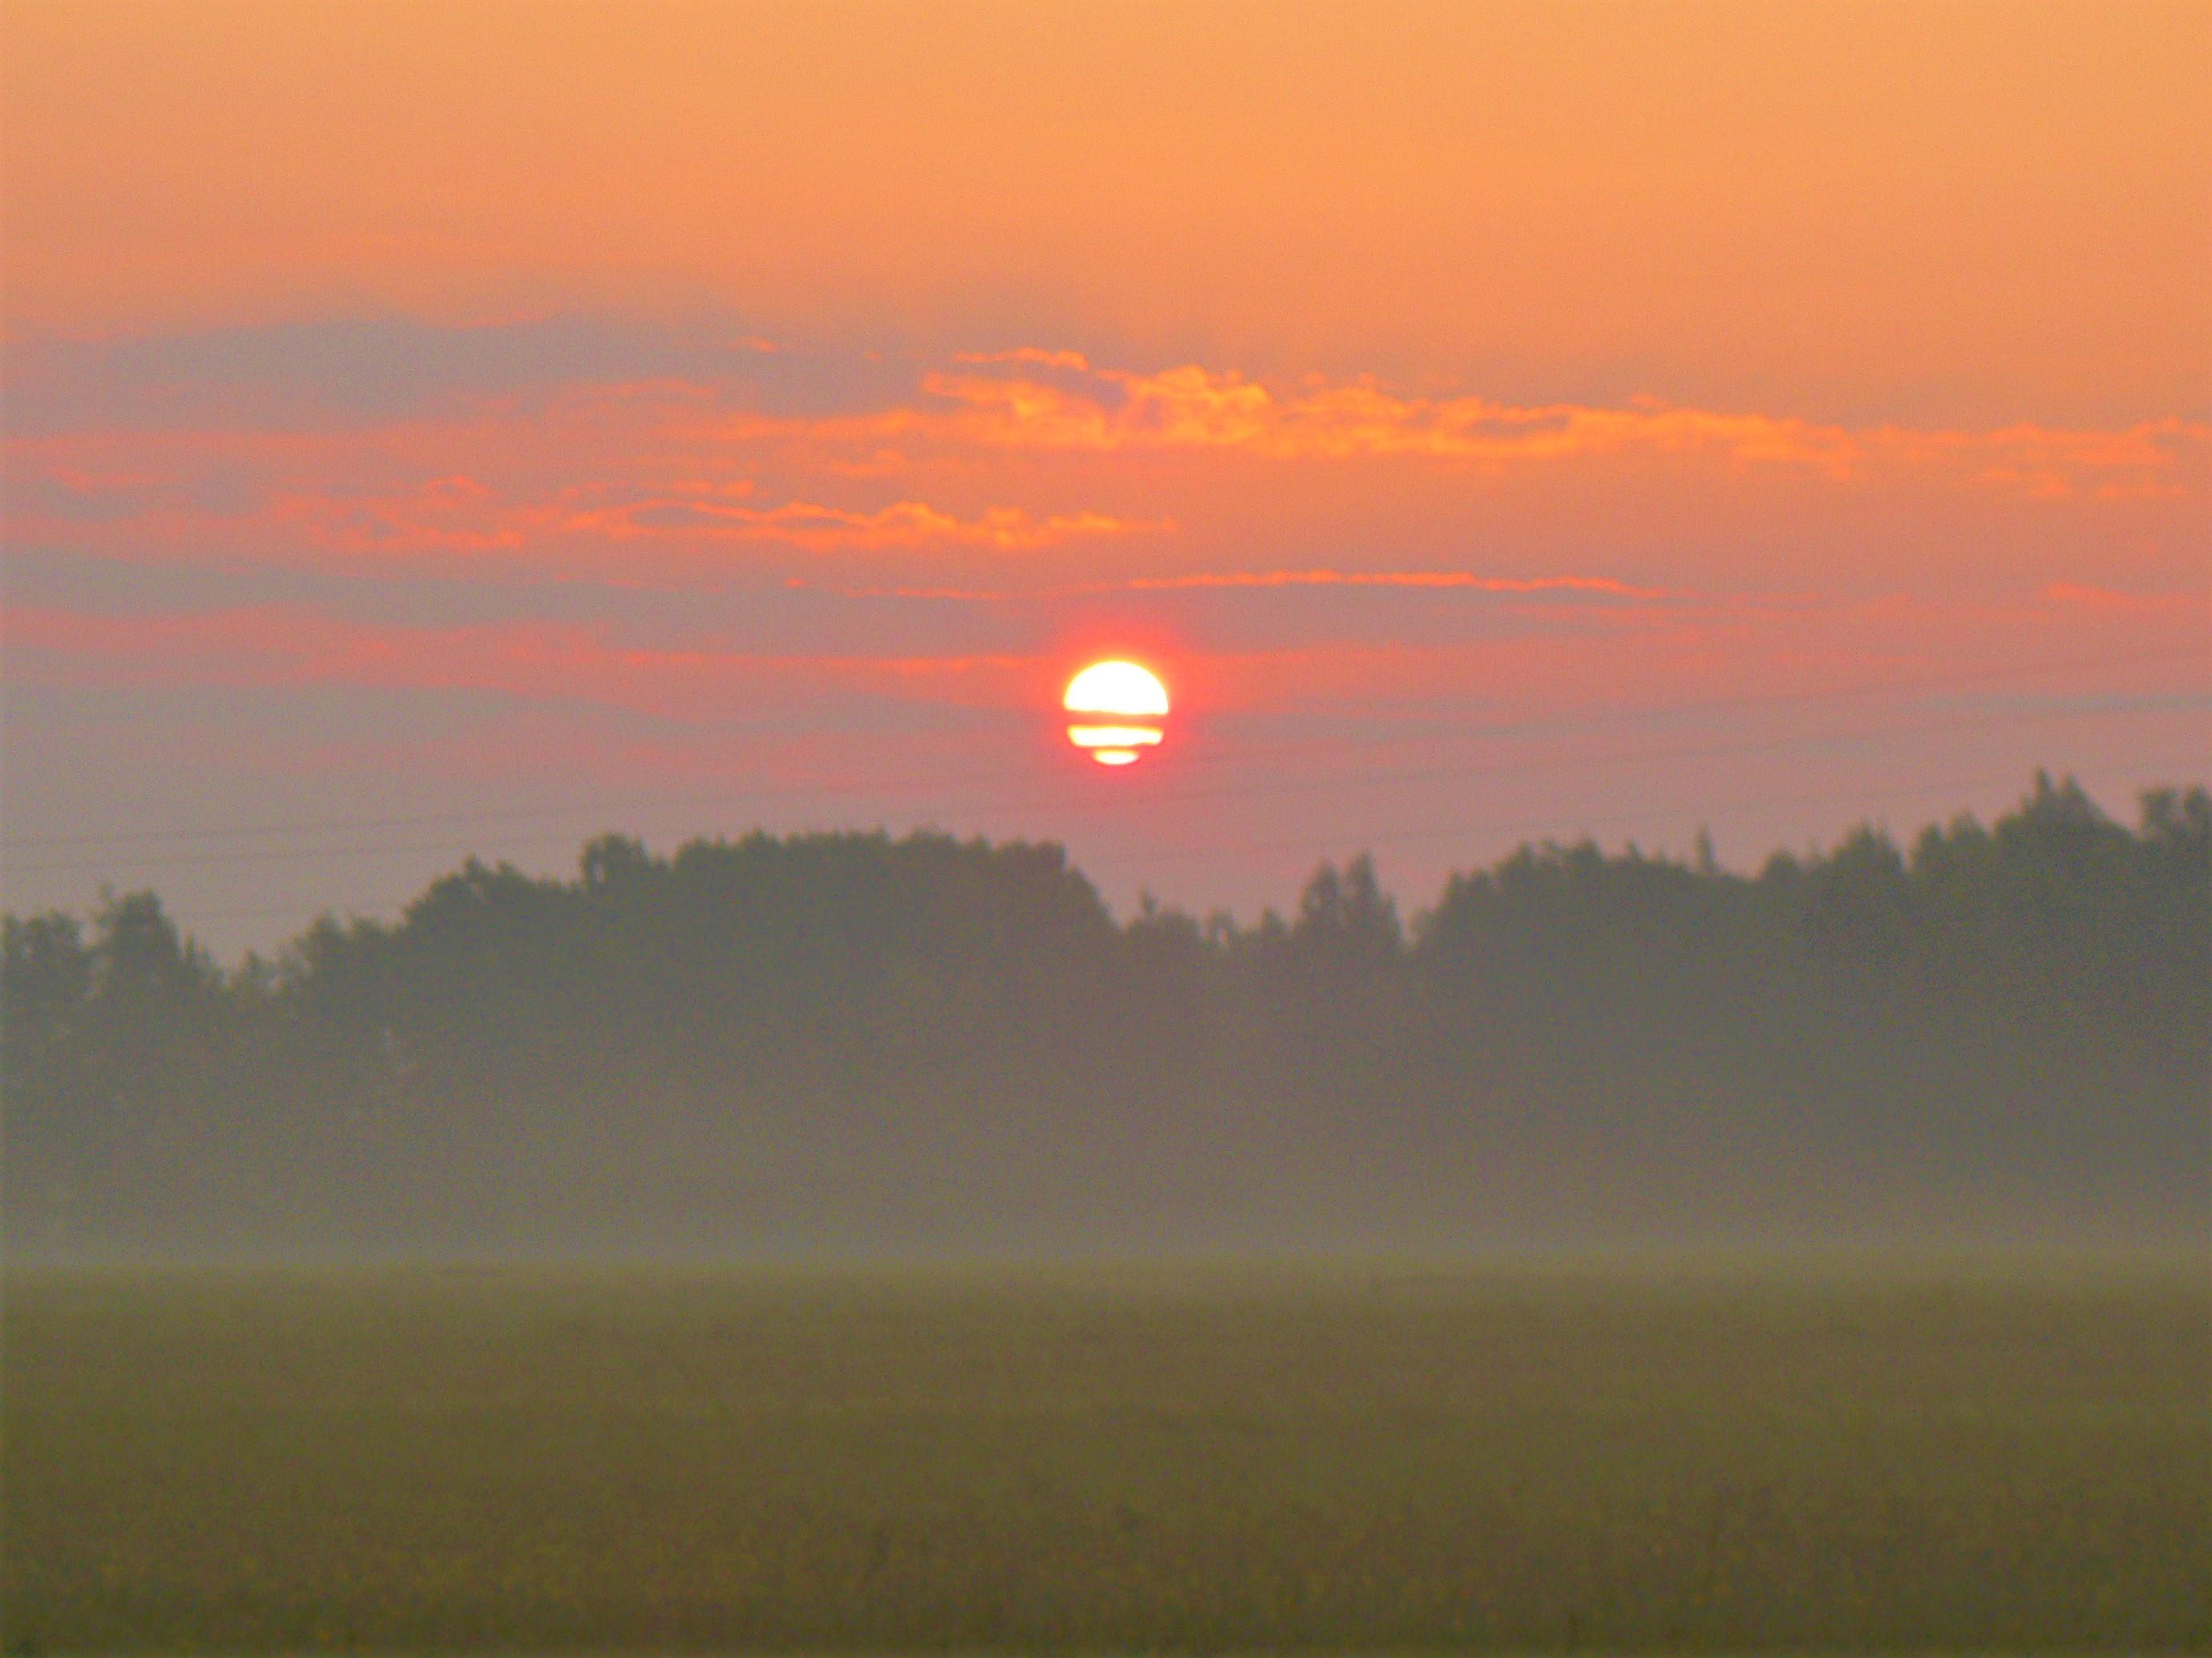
1541 1457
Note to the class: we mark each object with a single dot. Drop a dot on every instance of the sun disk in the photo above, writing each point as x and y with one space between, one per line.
1126 693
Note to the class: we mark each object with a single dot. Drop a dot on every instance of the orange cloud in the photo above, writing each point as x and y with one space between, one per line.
807 525
438 519
1045 401
303 495
1193 407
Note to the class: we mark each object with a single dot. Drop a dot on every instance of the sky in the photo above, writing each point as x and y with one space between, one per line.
437 429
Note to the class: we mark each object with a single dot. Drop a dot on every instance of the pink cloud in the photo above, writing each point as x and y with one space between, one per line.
1233 580
1428 578
2106 601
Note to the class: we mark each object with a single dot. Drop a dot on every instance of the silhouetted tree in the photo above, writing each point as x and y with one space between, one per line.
853 1041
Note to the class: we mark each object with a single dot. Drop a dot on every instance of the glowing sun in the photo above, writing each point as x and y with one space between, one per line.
1129 696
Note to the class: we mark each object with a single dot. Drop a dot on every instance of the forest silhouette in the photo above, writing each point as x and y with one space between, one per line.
848 1044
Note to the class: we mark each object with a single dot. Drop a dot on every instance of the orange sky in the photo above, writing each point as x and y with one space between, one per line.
1950 209
488 408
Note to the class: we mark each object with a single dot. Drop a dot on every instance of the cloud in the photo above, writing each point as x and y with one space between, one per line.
904 524
1035 355
289 647
352 371
874 408
2107 602
314 501
1419 579
1191 407
1234 582
696 457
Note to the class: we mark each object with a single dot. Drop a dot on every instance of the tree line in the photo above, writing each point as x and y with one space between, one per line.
850 1043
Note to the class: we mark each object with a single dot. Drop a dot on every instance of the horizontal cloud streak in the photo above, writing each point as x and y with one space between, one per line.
343 371
802 523
1193 407
1421 579
278 646
61 504
1266 580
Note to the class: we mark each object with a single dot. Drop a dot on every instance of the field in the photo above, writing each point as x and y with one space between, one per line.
1542 1457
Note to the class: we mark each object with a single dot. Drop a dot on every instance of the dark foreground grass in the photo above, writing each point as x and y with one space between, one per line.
1542 1459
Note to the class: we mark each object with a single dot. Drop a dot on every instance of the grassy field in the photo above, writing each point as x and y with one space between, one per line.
1541 1458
